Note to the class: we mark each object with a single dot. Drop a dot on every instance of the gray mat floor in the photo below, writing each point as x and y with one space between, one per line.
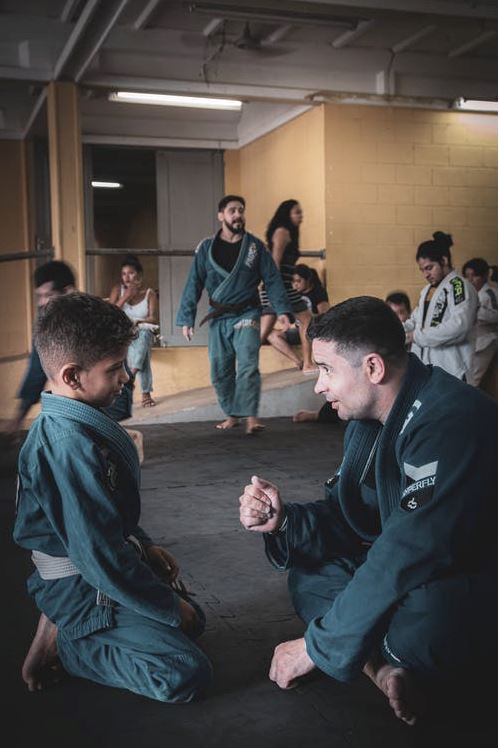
191 481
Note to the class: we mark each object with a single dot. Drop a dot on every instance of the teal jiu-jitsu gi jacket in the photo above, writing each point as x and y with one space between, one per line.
436 490
253 265
78 498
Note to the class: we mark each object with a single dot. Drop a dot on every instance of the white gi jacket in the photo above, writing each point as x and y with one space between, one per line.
486 319
446 337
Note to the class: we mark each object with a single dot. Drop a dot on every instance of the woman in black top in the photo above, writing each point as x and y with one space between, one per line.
283 242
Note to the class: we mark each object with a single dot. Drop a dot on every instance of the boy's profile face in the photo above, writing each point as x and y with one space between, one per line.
400 311
97 385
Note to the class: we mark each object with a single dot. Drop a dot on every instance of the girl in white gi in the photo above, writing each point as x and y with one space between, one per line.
141 306
440 328
476 271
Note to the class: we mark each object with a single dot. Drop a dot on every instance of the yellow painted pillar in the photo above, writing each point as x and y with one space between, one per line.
66 176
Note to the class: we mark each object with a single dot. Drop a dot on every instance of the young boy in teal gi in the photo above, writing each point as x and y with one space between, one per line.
109 613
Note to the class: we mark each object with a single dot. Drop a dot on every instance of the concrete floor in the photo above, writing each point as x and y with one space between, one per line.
192 478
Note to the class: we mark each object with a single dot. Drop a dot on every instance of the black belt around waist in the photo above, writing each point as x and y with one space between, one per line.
223 309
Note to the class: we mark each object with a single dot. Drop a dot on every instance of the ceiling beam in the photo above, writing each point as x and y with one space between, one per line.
143 17
68 10
96 36
75 36
349 36
277 35
419 7
472 44
213 26
272 15
410 40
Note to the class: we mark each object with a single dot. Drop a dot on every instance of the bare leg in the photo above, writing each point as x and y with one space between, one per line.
304 319
266 325
41 662
278 341
253 425
227 424
306 416
397 685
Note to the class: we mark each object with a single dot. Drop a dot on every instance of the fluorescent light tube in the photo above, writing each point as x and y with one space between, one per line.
106 184
172 100
476 105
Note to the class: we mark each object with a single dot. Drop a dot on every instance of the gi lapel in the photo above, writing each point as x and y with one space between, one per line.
388 476
96 420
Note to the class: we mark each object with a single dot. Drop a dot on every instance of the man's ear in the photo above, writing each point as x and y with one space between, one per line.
70 376
375 367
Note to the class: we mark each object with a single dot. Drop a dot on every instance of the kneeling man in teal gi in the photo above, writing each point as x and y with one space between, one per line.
106 591
394 572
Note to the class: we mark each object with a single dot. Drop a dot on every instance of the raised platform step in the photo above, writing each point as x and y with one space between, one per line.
283 393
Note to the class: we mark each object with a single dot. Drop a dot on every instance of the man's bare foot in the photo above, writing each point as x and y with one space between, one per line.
227 424
306 416
396 683
253 425
41 664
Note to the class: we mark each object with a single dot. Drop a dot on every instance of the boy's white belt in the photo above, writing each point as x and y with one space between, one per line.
50 568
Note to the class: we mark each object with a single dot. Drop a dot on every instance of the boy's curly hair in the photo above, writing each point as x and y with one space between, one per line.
80 328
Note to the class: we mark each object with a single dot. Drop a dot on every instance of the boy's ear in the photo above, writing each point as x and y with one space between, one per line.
70 376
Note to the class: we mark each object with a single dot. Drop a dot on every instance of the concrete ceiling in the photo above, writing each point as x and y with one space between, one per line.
279 57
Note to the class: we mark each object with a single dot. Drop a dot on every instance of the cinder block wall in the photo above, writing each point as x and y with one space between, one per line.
393 177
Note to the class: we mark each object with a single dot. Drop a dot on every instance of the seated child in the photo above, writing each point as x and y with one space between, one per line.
109 612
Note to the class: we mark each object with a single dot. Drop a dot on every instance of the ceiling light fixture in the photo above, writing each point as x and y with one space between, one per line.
173 100
106 184
474 105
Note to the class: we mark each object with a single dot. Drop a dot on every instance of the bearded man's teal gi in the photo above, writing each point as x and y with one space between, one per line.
401 555
234 335
78 510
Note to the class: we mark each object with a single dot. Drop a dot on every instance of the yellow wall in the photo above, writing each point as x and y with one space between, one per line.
286 163
15 294
393 177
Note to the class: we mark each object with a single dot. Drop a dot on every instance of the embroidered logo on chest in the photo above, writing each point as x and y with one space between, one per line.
440 308
420 483
251 256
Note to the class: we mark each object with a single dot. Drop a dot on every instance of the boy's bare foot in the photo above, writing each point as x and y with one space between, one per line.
41 664
306 416
253 425
396 683
227 424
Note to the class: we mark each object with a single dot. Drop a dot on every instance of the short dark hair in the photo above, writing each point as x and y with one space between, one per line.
478 265
81 328
223 202
133 262
360 325
59 273
436 249
399 298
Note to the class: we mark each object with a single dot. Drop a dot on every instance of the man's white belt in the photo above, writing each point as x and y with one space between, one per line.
50 568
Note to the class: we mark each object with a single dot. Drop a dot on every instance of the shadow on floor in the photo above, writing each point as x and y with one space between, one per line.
191 479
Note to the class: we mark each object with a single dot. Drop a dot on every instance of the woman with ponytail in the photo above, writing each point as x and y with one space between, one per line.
440 328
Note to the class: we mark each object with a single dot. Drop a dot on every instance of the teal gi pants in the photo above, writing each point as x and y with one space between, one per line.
233 349
140 655
441 630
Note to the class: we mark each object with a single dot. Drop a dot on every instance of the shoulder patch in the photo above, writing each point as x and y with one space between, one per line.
420 483
458 290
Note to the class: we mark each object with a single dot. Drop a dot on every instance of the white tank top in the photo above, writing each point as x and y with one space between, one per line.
140 311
